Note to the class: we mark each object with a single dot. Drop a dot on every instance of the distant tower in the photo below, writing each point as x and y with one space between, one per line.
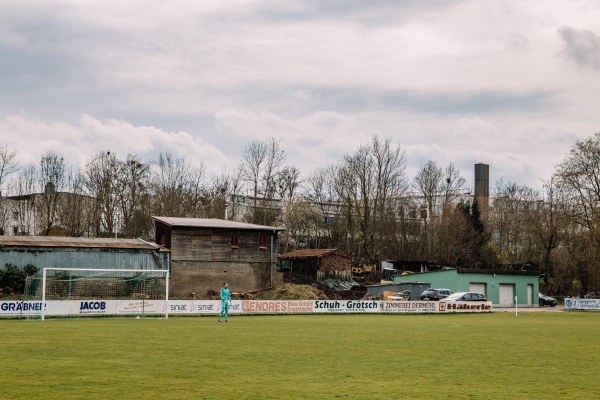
482 188
482 180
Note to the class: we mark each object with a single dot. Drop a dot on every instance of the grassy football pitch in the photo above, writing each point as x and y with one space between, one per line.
482 356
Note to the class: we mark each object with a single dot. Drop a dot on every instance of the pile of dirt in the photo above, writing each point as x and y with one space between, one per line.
298 279
290 291
317 291
302 287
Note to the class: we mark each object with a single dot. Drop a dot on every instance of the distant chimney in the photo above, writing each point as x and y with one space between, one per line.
50 188
482 188
482 180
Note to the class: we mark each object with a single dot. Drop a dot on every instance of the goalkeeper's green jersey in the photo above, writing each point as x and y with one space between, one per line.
225 295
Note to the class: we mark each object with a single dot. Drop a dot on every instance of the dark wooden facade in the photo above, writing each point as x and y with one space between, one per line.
207 252
317 263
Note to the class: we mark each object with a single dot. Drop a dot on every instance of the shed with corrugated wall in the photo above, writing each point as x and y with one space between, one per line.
70 252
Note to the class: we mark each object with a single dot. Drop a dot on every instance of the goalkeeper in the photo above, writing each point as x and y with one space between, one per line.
225 301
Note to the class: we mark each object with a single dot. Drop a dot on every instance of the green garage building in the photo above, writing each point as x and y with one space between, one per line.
499 286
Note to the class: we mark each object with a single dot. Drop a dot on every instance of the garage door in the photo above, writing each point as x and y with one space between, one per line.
477 288
506 295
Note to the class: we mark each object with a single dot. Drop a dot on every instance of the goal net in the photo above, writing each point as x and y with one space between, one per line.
92 292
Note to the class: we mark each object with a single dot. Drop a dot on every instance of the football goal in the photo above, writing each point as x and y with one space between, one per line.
94 292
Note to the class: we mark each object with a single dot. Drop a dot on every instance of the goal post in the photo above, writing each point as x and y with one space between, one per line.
96 291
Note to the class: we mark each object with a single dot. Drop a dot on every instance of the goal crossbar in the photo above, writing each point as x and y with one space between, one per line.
107 270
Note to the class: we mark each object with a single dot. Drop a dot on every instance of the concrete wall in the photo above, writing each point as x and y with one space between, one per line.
189 277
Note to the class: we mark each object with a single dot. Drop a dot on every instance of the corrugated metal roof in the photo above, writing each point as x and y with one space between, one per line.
213 223
59 241
306 253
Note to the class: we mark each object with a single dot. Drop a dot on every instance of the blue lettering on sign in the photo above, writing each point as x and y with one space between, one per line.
22 306
92 305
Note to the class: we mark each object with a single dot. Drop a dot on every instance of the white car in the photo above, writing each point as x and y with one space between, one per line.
399 296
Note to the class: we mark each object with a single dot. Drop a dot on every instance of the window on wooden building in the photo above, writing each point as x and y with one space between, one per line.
263 241
235 241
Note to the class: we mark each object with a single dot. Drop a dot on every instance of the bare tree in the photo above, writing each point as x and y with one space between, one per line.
438 191
51 181
24 207
511 216
578 177
260 165
214 202
132 196
75 211
368 184
302 220
8 166
253 159
288 182
320 190
452 186
235 187
102 173
275 158
457 238
391 185
428 184
177 187
548 225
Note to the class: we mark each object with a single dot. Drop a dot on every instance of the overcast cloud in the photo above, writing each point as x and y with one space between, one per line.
510 83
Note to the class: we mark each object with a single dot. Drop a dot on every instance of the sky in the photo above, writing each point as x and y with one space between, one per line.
510 83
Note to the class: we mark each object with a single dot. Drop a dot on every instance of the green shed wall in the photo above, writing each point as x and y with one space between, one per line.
461 282
446 279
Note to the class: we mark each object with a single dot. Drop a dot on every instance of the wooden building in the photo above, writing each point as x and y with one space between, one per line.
317 263
205 253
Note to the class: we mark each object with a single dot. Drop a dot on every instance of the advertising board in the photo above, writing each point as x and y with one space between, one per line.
213 307
582 304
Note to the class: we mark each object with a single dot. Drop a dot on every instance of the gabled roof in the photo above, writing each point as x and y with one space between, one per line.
62 241
307 253
213 223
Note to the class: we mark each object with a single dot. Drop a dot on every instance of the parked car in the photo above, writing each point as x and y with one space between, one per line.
546 300
435 294
592 295
466 296
400 296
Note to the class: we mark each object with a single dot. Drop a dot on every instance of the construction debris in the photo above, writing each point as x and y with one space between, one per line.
338 284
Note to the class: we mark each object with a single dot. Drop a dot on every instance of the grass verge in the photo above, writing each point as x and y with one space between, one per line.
484 356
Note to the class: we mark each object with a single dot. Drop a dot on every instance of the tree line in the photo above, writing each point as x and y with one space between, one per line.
365 203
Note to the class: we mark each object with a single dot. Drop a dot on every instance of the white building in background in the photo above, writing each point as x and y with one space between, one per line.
35 214
17 216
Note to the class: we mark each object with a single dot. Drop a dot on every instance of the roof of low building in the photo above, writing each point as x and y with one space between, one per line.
307 253
61 241
480 271
213 223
